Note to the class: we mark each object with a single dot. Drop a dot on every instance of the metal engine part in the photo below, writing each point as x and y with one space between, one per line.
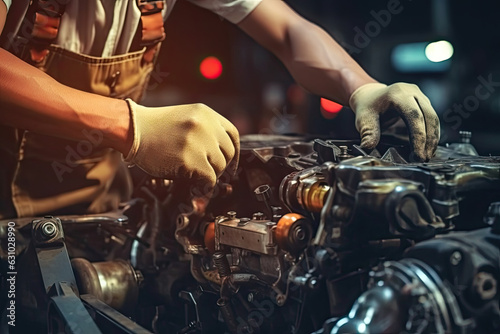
445 285
307 228
291 233
251 234
305 191
115 283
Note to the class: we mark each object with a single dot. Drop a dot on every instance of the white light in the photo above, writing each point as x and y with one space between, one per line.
439 51
361 328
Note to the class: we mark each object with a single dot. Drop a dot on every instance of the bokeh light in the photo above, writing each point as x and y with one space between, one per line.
211 68
330 109
439 51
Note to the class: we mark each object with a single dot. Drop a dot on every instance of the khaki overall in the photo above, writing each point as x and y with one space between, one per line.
42 174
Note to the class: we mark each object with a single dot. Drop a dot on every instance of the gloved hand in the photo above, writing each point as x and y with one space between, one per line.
376 103
189 142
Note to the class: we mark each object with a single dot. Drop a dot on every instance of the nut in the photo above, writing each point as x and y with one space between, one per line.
49 229
280 300
485 285
455 258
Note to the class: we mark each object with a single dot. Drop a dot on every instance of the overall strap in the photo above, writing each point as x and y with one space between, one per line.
46 22
43 20
153 32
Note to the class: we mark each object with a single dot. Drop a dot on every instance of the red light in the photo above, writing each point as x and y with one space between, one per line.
330 106
330 109
211 68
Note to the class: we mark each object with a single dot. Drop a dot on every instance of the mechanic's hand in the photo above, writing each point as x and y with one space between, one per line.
376 103
190 142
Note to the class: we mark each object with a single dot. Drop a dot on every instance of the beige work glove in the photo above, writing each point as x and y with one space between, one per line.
376 104
188 142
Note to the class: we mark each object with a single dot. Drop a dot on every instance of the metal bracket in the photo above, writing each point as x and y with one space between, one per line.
66 312
114 319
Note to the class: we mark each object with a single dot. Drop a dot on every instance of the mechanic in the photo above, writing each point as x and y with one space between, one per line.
72 73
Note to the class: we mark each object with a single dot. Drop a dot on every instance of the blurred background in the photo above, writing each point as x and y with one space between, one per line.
450 48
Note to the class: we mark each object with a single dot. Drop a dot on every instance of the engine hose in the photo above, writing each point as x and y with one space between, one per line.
228 314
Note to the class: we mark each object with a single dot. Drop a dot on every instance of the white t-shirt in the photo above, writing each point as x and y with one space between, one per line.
104 28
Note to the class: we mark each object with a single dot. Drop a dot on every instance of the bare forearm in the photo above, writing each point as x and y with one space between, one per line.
320 65
314 59
324 68
32 100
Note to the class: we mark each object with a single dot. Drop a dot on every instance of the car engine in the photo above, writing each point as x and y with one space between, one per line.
311 235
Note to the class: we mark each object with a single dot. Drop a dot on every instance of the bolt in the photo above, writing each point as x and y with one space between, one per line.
49 229
243 221
139 277
280 300
289 257
455 258
250 297
313 283
258 216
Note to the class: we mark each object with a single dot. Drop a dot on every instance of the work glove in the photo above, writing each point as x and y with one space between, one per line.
187 142
376 104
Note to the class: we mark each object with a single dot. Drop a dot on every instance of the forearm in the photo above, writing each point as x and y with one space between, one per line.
313 58
320 65
32 100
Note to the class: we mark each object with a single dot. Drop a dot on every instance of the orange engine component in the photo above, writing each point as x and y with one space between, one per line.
293 233
209 238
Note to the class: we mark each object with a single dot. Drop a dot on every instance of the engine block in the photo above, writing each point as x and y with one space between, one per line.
310 235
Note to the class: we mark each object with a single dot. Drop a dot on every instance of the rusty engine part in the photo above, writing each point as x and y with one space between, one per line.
115 283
